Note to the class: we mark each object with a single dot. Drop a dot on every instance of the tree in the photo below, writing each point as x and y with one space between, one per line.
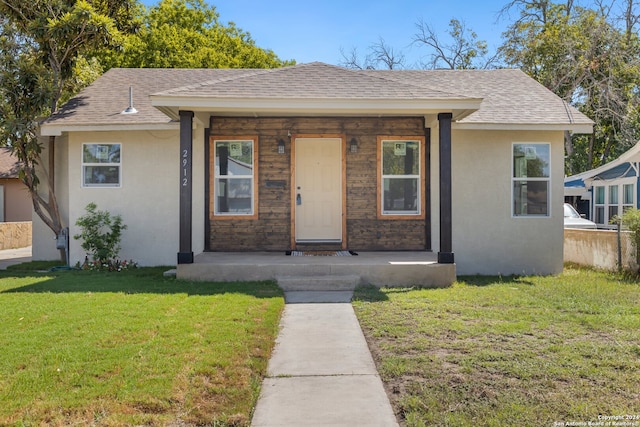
464 51
188 34
51 49
41 44
380 54
585 58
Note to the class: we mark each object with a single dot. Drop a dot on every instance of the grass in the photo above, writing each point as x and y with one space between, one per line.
499 351
132 348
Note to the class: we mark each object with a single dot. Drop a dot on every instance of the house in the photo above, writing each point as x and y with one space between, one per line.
606 191
15 201
465 164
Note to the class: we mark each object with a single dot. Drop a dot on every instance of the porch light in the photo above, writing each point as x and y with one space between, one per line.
353 145
281 146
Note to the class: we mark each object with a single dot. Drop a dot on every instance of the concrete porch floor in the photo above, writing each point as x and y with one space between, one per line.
317 273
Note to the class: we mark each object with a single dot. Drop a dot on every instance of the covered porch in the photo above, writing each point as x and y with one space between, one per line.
322 273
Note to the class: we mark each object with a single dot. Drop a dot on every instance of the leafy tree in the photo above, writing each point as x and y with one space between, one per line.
188 34
583 56
463 51
51 49
41 46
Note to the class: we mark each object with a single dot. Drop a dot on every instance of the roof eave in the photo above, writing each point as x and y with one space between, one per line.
59 129
269 107
578 128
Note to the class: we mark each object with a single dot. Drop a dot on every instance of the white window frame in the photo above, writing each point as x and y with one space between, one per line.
100 164
216 177
515 179
620 205
419 212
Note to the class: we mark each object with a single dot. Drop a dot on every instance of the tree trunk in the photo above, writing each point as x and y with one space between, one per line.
47 210
568 148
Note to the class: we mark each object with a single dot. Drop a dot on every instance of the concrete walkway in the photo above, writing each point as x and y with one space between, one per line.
321 372
14 256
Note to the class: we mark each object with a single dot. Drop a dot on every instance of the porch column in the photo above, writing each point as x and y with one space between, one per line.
445 256
185 256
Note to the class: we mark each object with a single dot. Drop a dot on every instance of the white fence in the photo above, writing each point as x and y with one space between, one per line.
600 249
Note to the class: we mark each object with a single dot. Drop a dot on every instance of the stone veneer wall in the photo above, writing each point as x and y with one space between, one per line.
15 234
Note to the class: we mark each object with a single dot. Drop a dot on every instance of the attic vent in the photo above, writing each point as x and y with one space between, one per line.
130 109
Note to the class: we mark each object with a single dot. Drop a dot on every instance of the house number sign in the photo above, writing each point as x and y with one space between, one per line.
185 167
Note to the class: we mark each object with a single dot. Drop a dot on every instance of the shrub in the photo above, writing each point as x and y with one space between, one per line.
100 234
631 220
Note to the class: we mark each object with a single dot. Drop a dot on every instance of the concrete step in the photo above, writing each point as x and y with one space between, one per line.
319 283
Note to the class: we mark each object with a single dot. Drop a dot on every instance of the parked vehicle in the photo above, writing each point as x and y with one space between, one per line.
572 219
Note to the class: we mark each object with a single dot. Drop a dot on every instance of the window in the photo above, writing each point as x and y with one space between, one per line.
101 165
531 179
599 205
627 197
613 201
401 177
234 178
619 197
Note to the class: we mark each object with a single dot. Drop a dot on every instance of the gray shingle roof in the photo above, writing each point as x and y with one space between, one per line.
509 96
103 101
312 81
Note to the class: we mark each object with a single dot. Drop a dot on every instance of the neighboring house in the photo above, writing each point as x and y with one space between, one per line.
606 191
468 164
15 202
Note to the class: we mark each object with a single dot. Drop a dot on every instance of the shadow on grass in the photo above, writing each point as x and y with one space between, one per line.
494 280
137 281
369 293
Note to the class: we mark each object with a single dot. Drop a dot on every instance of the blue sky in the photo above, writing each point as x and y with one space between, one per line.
308 31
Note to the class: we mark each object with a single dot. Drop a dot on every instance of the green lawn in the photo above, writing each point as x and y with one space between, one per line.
530 351
132 348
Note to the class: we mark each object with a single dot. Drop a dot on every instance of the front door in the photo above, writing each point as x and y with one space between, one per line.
318 190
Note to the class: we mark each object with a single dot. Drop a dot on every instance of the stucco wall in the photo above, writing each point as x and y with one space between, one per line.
15 235
486 238
148 197
599 248
17 202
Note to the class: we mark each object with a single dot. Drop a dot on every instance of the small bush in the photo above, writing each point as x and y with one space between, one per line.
100 234
631 220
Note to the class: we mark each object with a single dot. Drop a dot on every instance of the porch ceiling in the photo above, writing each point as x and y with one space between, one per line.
260 107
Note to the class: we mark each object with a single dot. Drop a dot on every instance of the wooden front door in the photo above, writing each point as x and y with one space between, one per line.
318 190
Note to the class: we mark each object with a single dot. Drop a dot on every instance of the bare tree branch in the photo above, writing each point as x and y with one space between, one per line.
382 53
